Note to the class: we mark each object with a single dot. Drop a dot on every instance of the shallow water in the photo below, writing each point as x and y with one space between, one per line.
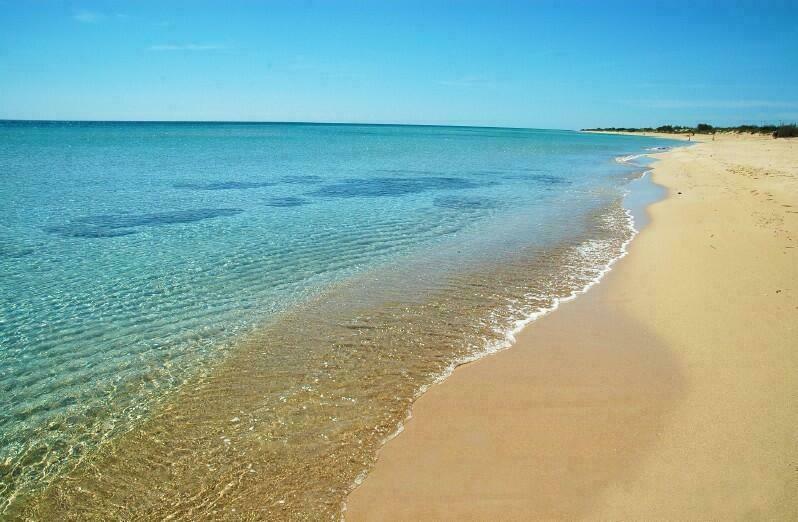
215 319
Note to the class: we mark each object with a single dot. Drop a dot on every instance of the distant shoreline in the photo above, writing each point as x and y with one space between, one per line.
651 134
782 130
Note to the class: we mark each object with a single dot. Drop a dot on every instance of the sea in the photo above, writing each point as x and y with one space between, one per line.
228 320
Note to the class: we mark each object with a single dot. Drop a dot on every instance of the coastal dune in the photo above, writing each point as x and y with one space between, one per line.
668 391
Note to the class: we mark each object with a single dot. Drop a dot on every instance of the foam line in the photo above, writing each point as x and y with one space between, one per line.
510 336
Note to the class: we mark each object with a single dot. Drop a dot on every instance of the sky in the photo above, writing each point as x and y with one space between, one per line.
564 65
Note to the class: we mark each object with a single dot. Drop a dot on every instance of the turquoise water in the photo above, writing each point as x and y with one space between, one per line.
135 257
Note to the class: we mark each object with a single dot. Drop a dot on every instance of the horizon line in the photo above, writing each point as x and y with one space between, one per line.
372 124
277 122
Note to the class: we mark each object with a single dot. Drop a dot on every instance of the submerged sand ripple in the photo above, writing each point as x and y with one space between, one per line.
284 426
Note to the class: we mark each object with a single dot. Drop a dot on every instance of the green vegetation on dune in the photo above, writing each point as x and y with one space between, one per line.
778 131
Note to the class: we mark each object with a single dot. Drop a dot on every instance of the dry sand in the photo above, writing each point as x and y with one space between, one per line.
669 391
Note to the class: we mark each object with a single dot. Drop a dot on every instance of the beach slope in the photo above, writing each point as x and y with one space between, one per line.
668 391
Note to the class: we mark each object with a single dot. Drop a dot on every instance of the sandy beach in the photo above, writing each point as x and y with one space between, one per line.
669 391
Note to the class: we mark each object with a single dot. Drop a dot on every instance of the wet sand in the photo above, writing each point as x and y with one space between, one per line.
669 391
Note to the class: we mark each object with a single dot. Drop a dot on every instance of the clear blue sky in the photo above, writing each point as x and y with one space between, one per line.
530 64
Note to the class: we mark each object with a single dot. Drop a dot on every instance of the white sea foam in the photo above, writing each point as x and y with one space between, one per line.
650 150
629 158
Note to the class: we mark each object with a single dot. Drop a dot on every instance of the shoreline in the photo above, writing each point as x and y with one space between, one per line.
460 454
637 216
636 213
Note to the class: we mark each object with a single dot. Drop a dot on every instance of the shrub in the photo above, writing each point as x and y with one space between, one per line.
704 128
786 131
